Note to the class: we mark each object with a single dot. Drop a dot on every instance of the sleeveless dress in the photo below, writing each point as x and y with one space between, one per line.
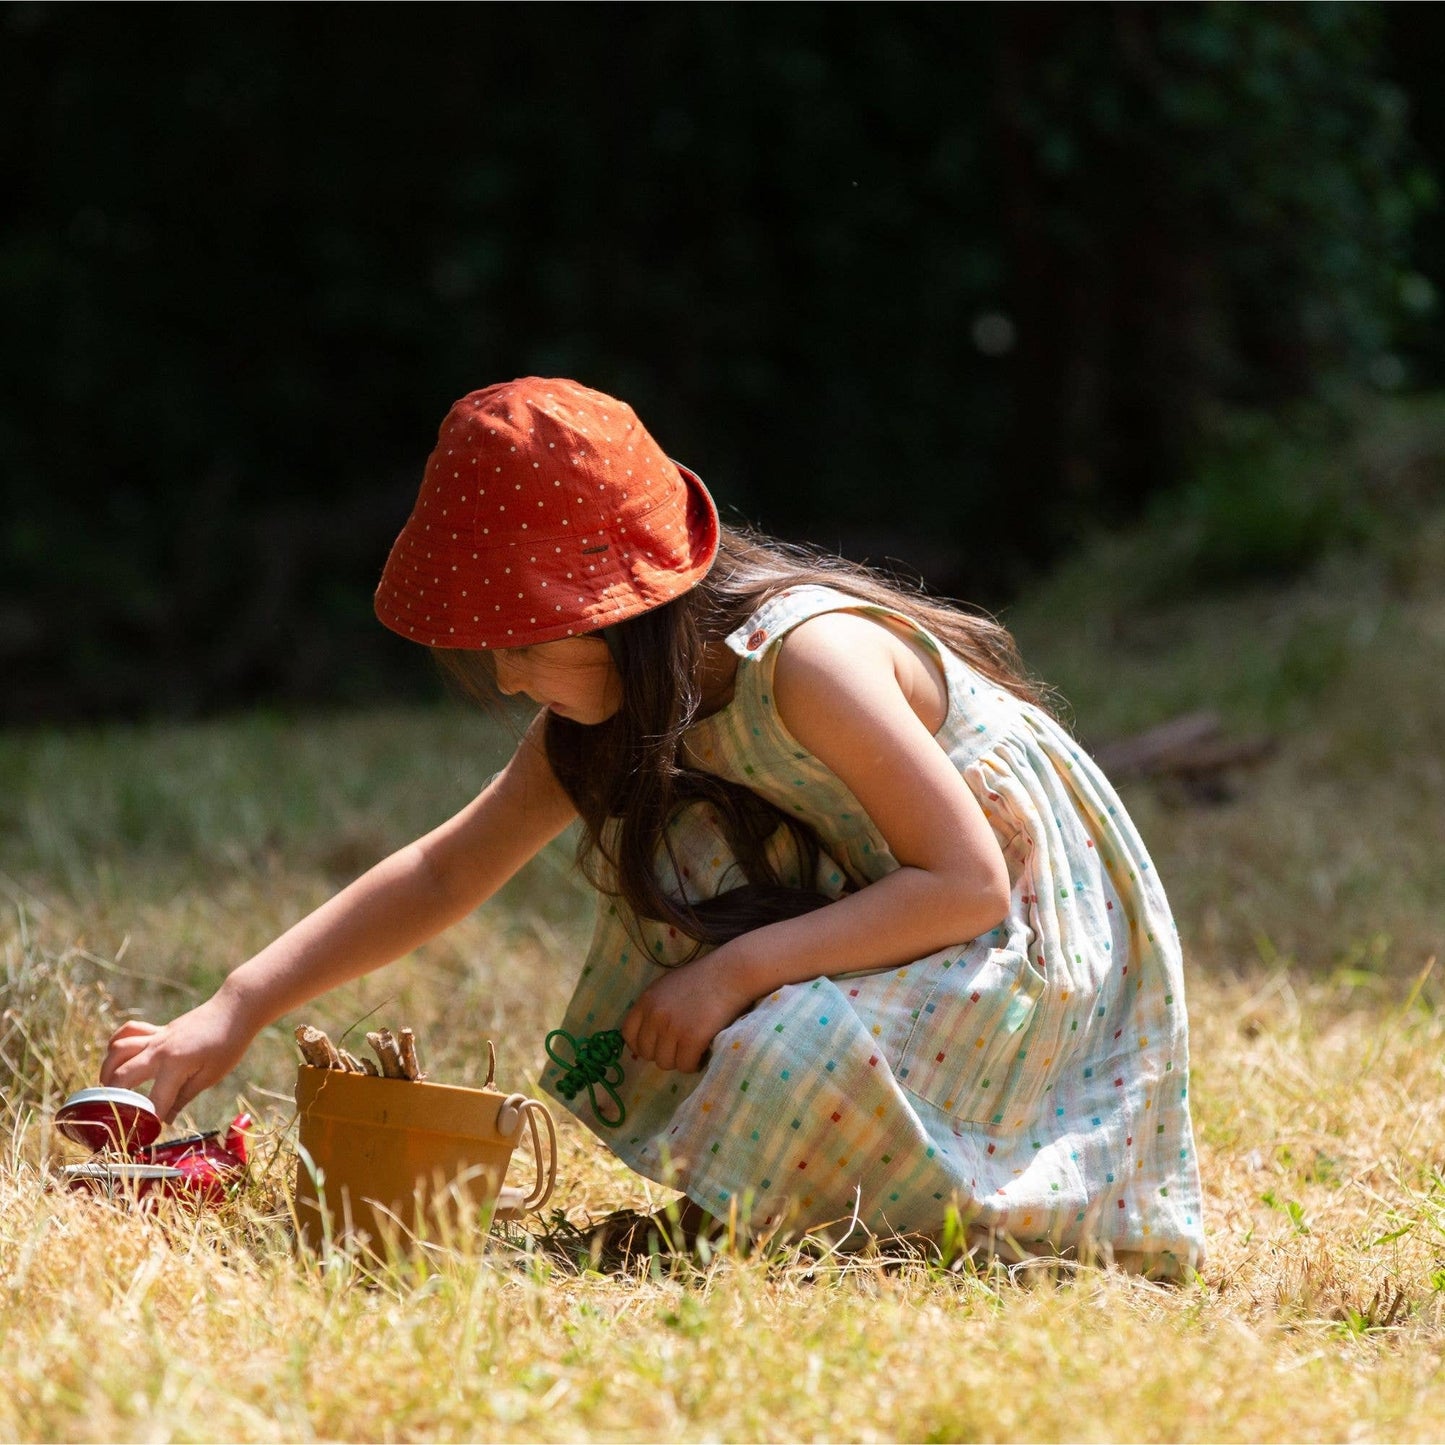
1036 1079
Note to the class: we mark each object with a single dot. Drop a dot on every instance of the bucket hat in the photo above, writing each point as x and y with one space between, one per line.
546 511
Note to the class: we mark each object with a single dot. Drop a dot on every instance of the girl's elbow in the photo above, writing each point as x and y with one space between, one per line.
966 899
991 898
999 895
997 909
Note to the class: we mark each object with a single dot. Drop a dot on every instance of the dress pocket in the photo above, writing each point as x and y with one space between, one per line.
967 1053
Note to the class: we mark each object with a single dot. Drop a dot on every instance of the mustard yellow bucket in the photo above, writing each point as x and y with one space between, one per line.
398 1163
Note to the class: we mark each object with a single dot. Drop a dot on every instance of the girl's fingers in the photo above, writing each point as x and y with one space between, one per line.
127 1072
629 1029
134 1029
125 1063
173 1090
646 1045
125 1048
640 1029
651 1035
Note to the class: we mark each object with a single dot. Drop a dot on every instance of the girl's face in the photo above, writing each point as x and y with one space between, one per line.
573 677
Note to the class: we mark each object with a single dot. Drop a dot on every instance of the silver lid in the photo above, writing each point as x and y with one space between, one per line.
111 1096
119 1173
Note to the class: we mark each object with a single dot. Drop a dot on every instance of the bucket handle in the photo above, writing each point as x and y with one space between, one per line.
546 1169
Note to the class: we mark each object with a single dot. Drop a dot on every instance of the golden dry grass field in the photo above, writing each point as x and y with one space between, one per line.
140 863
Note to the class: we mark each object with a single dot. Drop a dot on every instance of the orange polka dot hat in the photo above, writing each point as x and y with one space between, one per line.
546 511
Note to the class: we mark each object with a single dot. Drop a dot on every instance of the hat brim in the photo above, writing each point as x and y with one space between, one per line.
550 593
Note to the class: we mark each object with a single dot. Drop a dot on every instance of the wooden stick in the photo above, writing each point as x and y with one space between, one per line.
491 1064
388 1054
352 1063
310 1046
316 1048
406 1041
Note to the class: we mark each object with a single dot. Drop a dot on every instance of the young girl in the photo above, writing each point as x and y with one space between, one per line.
879 937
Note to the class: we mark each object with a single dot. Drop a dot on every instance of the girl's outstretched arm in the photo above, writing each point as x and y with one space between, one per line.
865 702
400 903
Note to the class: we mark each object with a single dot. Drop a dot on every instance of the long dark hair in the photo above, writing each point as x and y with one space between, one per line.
626 775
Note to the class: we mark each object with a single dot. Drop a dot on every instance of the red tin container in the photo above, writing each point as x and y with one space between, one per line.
121 1127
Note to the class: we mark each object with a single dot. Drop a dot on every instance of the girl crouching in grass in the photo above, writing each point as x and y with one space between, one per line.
880 938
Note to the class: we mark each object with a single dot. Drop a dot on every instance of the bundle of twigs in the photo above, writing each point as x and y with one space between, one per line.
395 1052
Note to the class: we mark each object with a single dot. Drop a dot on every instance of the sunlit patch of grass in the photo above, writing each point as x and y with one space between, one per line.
139 864
1320 1312
213 1328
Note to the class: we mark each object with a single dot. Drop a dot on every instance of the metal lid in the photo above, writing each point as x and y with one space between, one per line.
120 1172
109 1119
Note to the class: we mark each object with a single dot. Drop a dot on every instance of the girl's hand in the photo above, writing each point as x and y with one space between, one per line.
184 1057
675 1021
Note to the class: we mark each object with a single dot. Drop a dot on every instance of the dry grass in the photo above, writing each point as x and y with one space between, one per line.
141 863
1318 1315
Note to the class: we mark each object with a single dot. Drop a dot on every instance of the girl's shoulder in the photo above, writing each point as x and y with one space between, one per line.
976 710
759 640
783 611
829 649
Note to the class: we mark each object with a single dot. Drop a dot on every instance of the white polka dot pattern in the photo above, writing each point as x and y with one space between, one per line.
545 511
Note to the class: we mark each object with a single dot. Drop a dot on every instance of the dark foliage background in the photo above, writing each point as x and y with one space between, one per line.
941 283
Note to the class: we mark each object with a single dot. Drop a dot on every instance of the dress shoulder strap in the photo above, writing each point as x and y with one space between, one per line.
781 613
979 711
